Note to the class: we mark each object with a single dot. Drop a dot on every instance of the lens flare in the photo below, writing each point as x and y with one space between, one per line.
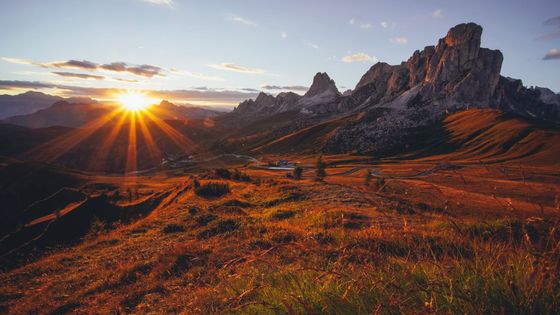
135 101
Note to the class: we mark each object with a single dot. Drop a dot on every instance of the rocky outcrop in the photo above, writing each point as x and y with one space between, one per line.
321 97
455 74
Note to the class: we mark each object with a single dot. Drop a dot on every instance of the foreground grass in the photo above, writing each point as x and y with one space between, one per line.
496 280
285 247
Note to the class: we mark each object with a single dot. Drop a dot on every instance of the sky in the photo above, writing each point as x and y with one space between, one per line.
221 52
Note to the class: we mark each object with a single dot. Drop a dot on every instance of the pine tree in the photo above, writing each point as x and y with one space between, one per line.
298 170
321 168
367 178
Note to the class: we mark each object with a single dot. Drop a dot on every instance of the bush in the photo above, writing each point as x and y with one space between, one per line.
222 173
283 214
212 190
321 167
173 228
220 227
239 176
380 182
367 178
298 171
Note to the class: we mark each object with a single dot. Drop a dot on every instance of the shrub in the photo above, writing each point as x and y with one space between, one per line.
173 228
297 172
222 173
380 182
321 168
239 176
212 190
367 178
283 214
219 227
204 219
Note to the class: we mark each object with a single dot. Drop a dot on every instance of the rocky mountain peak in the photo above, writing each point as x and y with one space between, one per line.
321 83
464 34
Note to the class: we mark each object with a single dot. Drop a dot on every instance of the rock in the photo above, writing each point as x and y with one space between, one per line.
322 83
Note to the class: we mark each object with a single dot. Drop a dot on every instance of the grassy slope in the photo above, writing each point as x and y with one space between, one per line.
473 135
280 246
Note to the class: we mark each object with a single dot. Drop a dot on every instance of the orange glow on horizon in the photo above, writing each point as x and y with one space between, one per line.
135 101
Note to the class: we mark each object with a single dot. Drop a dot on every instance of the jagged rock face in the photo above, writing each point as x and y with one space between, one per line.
453 75
322 83
267 104
321 97
512 96
547 96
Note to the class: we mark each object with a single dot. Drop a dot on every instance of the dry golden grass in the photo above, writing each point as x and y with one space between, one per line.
478 239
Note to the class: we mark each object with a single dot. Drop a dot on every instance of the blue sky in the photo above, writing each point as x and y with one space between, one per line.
219 52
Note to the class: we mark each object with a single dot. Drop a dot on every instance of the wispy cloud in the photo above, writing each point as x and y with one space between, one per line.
400 40
240 20
144 70
554 53
237 68
384 24
438 14
366 25
168 3
553 22
284 35
359 57
285 87
198 75
79 75
312 45
352 22
139 70
18 61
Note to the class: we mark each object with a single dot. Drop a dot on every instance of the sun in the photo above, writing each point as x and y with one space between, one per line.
135 101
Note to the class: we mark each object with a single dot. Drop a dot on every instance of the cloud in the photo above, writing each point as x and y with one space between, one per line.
438 14
366 25
203 76
236 68
352 22
168 3
18 61
384 24
79 75
72 64
554 22
126 80
139 70
359 57
8 85
401 40
554 53
312 45
241 20
285 87
284 35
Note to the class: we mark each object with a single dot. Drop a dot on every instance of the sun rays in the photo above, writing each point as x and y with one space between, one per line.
129 138
135 101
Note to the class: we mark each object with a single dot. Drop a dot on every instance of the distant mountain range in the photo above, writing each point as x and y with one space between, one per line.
78 112
30 102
